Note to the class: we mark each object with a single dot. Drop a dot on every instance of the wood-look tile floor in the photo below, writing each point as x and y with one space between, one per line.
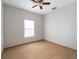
39 50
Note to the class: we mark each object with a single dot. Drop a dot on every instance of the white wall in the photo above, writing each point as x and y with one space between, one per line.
60 26
1 22
14 26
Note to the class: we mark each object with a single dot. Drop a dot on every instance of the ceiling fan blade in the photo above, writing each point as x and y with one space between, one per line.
41 7
34 1
46 3
40 1
34 6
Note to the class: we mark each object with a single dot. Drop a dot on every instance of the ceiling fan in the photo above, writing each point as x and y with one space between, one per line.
40 3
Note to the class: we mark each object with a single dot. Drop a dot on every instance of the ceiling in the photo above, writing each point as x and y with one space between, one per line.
27 5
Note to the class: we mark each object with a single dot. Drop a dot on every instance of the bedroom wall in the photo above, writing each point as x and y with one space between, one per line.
1 30
14 26
60 26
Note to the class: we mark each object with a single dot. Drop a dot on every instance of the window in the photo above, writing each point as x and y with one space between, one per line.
28 28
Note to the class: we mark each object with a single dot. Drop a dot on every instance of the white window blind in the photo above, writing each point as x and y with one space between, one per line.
28 28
